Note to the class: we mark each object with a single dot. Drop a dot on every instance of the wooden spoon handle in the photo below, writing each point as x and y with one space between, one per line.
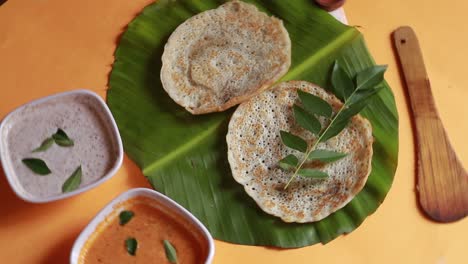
442 182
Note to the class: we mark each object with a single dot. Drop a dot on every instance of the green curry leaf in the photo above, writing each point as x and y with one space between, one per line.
125 217
62 139
306 120
370 77
324 155
314 104
45 145
38 166
293 141
342 84
131 244
171 252
73 182
289 162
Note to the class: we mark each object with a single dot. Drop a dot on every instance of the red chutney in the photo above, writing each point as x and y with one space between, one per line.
151 224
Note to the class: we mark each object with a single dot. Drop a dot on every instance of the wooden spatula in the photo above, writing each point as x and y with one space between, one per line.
442 182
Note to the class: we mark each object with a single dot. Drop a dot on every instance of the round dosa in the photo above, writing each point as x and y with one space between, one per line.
221 57
255 147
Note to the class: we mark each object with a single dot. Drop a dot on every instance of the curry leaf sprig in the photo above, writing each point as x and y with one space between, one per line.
355 92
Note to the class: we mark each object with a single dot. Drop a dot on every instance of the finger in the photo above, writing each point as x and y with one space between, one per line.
330 5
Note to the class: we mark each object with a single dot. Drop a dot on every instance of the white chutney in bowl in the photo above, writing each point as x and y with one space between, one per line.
88 123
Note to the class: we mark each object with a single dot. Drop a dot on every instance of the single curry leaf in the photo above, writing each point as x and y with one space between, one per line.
62 139
354 109
171 253
324 155
38 166
363 95
293 141
312 173
125 216
341 121
131 244
314 104
306 120
370 77
45 145
289 162
334 128
73 182
342 84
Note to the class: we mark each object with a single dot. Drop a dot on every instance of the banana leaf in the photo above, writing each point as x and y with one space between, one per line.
184 156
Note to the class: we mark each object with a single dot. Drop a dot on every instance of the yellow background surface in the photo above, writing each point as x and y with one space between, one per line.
50 46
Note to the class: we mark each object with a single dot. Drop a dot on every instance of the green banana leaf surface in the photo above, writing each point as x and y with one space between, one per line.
185 156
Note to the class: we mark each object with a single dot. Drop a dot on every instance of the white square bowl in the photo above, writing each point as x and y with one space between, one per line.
166 203
28 110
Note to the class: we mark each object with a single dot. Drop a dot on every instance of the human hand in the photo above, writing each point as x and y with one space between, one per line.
330 5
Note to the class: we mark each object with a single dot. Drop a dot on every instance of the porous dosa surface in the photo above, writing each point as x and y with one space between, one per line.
255 147
223 56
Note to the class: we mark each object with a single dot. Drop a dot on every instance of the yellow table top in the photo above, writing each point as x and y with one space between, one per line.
51 46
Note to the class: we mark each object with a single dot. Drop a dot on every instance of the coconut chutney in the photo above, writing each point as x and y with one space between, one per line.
83 117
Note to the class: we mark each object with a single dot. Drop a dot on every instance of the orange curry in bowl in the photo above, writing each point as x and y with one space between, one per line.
149 224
